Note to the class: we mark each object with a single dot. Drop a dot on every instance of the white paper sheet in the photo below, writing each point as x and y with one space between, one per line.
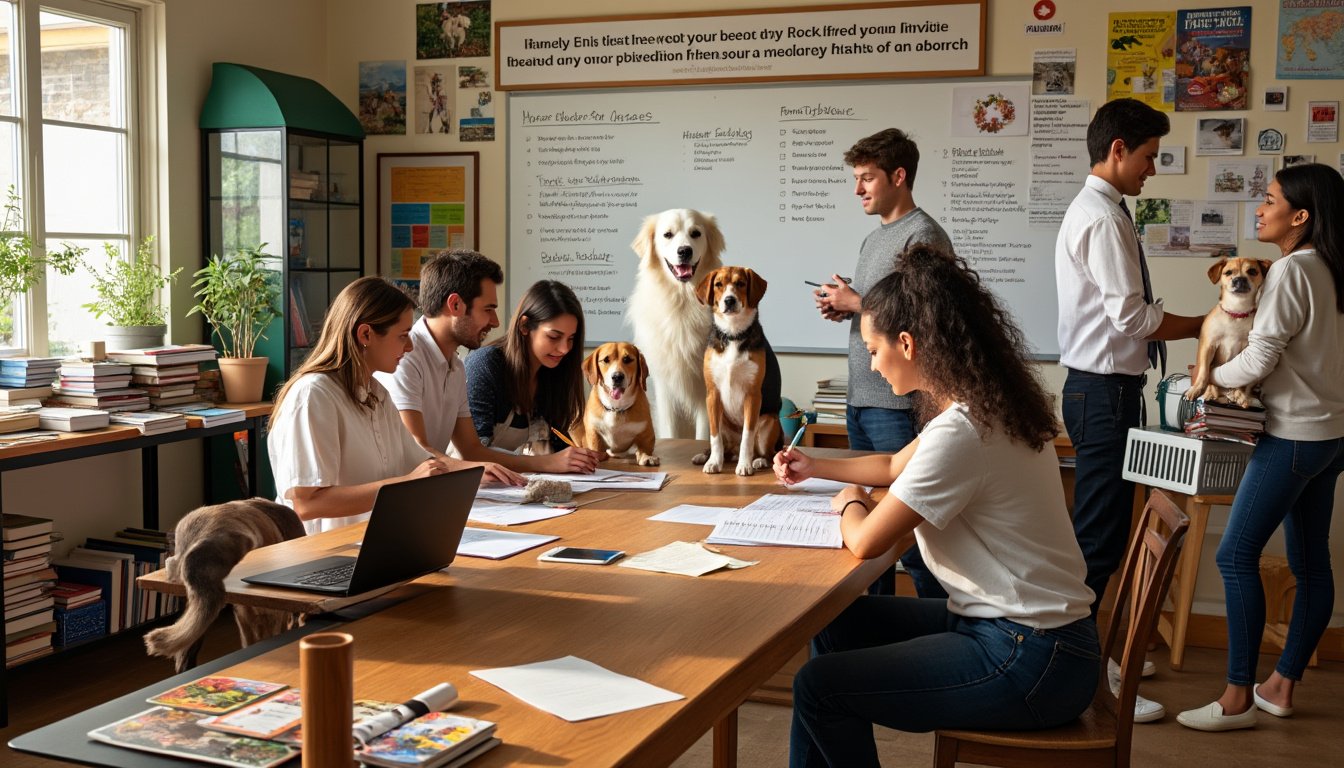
574 689
609 480
818 485
686 558
497 545
790 520
692 513
508 513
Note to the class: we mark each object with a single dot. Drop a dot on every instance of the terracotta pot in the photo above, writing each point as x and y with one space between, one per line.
243 378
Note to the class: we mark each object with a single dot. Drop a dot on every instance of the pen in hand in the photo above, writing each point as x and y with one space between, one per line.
847 280
797 436
564 437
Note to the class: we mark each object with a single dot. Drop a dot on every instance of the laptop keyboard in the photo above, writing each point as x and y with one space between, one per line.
328 576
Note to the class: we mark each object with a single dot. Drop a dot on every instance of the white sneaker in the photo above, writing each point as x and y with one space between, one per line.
1145 710
1149 668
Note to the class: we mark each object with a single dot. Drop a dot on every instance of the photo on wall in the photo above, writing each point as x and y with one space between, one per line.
433 98
382 97
1170 160
1220 136
475 104
452 30
980 112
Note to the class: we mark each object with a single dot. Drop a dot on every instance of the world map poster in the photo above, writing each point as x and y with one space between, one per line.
1311 39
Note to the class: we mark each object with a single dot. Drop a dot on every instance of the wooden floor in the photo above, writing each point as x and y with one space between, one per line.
78 680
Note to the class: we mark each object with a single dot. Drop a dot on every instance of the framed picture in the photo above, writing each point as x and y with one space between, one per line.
428 202
1220 136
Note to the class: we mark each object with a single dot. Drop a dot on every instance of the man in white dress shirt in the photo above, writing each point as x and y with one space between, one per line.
1111 330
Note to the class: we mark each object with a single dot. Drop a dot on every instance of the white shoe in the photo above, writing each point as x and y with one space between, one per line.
1149 668
1211 718
1145 710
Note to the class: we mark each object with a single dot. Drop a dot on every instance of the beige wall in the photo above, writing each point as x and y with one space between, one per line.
327 40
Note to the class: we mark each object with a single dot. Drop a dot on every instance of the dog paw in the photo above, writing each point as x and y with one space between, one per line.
745 469
759 463
648 461
699 458
713 467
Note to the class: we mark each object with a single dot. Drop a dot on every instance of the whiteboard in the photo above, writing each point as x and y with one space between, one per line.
584 169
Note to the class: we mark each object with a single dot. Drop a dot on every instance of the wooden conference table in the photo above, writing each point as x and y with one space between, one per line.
713 639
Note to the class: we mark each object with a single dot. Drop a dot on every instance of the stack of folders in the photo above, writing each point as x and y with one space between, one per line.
1219 421
829 401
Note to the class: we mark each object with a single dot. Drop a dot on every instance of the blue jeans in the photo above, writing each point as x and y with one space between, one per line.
889 430
1098 412
910 664
1290 482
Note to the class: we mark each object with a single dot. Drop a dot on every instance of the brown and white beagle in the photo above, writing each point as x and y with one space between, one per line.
617 415
742 378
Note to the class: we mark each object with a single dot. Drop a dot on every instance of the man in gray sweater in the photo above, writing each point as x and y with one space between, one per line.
877 419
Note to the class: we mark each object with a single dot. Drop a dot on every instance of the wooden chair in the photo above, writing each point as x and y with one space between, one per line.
1101 735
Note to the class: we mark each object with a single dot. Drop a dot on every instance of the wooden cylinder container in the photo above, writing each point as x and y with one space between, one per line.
327 688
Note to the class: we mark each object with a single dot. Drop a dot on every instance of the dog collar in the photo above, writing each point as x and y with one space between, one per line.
1236 315
613 410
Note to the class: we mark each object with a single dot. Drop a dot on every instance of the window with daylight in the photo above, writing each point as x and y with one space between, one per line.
67 147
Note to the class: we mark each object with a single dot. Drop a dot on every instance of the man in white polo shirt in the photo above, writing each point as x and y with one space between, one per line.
459 295
1111 330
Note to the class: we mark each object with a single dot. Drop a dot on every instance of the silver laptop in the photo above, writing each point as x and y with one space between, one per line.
414 529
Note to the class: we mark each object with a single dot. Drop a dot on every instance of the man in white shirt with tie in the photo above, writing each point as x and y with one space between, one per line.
1111 330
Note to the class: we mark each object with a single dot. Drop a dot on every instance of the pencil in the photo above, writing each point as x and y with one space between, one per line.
564 437
798 435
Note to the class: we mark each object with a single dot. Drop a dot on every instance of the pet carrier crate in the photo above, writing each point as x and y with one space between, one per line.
1177 462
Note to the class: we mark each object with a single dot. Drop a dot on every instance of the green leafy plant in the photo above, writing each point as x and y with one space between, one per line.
129 290
20 268
239 296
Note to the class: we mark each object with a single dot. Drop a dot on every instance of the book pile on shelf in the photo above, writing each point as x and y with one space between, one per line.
112 565
304 185
19 396
152 422
239 722
81 613
300 325
1219 421
101 386
201 415
829 401
71 419
210 389
24 381
28 581
17 418
170 375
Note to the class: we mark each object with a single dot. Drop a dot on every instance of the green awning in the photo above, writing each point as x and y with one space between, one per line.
250 97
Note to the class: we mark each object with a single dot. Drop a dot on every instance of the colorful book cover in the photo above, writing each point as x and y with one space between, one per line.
426 739
1213 58
364 709
216 695
264 720
175 732
1141 58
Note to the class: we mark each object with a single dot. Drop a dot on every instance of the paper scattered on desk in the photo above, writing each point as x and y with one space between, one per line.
609 480
574 689
686 558
788 520
692 513
497 545
485 510
818 485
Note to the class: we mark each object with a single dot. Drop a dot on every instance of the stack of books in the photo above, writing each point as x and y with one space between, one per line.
81 613
210 389
19 396
1220 421
207 416
28 582
112 565
28 372
304 185
170 375
829 401
71 419
97 385
152 422
18 418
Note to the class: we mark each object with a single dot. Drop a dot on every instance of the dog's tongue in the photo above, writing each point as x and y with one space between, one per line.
682 271
617 392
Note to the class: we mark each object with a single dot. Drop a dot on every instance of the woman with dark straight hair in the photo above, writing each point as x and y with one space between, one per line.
335 437
1296 352
1013 646
529 381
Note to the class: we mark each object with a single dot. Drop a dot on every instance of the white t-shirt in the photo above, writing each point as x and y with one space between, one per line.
430 383
996 533
321 438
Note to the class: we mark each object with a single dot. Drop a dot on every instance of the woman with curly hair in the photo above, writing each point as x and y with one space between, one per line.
1014 645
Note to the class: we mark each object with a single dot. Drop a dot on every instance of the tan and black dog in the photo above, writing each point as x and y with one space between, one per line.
207 544
742 378
617 416
1226 328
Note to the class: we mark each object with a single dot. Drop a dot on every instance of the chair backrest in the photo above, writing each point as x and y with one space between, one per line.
1149 566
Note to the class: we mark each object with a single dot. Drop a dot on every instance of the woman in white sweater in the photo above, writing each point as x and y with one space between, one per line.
1297 351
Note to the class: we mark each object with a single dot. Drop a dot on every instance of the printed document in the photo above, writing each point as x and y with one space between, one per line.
486 510
497 545
692 513
789 520
574 689
687 558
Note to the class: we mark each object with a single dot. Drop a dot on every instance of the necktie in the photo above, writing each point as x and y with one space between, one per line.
1157 350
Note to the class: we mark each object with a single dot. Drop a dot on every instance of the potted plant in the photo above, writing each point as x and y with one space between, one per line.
238 295
20 268
129 297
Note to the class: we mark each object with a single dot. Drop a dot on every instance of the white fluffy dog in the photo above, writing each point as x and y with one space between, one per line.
455 28
676 249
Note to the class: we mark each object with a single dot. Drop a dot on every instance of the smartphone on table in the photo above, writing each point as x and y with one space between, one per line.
581 555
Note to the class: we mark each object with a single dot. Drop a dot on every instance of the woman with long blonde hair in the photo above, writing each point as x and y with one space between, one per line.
335 436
